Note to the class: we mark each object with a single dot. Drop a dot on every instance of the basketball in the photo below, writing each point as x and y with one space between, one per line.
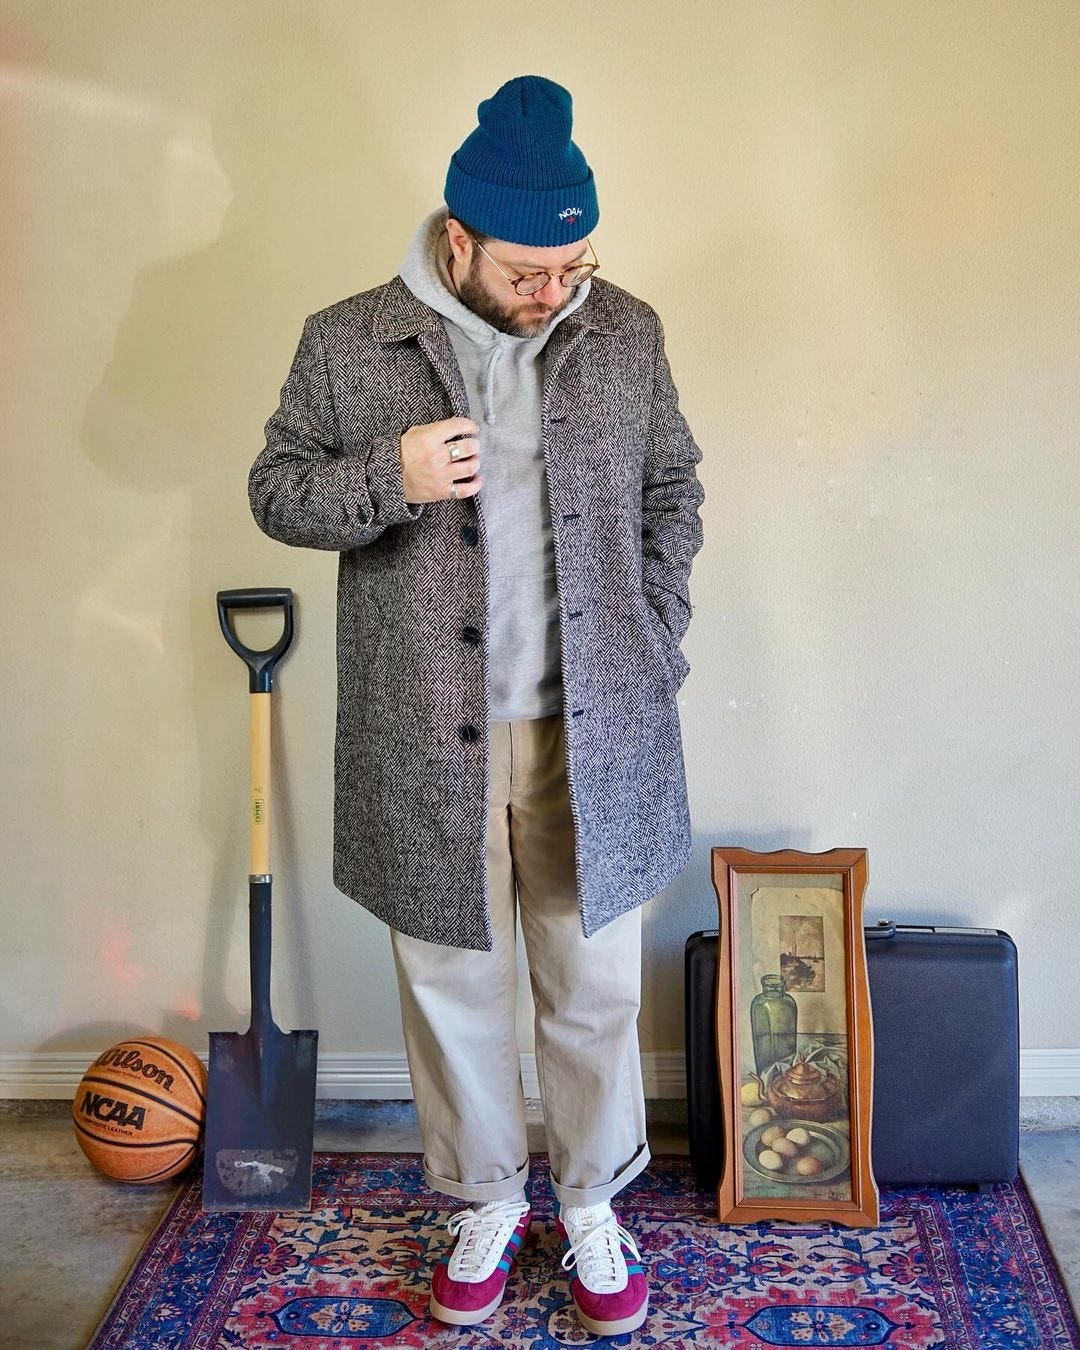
140 1109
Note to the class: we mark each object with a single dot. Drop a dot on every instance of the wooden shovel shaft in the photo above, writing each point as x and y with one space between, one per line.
260 784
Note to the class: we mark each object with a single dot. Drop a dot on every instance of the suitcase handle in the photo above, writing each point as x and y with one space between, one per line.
884 928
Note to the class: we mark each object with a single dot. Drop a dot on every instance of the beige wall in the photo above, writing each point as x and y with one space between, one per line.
859 224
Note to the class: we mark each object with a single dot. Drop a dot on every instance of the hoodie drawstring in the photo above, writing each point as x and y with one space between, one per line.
488 391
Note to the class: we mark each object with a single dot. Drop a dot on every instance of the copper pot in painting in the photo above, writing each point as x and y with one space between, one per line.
806 1092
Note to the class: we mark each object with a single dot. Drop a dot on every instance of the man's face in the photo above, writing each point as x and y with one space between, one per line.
488 294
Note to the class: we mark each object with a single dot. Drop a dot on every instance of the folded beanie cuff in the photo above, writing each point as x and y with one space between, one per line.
540 217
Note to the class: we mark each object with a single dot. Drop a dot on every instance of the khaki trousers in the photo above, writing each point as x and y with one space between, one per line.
458 1006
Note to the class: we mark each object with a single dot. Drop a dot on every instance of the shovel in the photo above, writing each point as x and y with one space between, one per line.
260 1111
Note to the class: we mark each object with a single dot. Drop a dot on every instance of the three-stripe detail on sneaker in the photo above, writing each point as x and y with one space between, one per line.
511 1250
632 1266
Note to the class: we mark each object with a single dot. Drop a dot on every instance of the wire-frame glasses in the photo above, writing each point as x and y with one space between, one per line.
532 282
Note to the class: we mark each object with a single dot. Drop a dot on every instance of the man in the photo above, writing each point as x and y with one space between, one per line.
492 441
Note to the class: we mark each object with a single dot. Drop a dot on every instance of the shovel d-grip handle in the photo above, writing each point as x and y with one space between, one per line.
261 664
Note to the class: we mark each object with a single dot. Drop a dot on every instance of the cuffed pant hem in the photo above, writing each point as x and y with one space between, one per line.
592 1195
479 1190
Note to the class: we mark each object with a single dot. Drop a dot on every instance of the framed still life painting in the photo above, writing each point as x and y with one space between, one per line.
794 1037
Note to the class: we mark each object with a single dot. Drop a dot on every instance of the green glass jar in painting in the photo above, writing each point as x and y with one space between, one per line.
773 1018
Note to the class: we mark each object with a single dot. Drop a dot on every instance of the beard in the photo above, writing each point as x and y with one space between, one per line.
519 320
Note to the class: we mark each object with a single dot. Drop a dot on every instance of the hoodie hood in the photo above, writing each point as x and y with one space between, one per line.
424 270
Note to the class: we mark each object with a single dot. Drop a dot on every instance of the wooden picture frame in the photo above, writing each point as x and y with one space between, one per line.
794 1037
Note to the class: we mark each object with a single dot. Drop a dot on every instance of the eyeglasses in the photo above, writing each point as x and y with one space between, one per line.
532 282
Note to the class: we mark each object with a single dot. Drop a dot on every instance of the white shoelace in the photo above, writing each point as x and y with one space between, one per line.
596 1238
482 1235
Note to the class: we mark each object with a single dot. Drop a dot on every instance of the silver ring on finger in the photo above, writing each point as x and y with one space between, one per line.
453 490
455 452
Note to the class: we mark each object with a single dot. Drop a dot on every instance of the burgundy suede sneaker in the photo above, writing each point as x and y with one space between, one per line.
609 1290
469 1286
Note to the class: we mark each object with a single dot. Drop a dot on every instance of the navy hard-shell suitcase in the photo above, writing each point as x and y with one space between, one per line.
946 1056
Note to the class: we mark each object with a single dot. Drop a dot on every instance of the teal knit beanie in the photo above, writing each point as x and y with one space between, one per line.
519 176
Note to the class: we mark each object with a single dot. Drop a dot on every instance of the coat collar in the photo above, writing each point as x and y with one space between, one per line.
399 314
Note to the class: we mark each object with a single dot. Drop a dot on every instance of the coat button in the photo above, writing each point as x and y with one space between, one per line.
468 733
471 635
470 534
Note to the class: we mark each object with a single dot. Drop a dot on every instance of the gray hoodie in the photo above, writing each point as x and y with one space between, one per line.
503 378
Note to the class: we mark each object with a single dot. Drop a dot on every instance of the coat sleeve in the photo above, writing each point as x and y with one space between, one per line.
671 530
303 488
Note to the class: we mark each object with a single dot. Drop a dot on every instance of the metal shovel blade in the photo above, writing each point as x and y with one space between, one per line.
259 1120
260 1097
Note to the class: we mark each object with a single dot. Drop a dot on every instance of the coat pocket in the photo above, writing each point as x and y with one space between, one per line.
671 666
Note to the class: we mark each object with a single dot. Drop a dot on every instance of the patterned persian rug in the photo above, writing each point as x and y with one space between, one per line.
946 1268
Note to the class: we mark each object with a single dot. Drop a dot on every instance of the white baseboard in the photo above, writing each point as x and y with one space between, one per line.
1049 1073
377 1077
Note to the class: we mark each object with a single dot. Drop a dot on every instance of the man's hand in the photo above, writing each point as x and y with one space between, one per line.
440 459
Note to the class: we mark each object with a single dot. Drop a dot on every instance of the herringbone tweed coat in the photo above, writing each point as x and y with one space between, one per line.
411 753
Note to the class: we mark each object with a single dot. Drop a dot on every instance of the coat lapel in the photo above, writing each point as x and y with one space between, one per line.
441 355
593 315
400 315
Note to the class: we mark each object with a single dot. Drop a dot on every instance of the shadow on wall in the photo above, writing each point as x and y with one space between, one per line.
179 413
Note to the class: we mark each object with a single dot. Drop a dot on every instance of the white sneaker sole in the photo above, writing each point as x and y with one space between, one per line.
625 1324
457 1318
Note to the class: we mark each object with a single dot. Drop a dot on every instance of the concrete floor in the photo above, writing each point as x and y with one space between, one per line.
70 1236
